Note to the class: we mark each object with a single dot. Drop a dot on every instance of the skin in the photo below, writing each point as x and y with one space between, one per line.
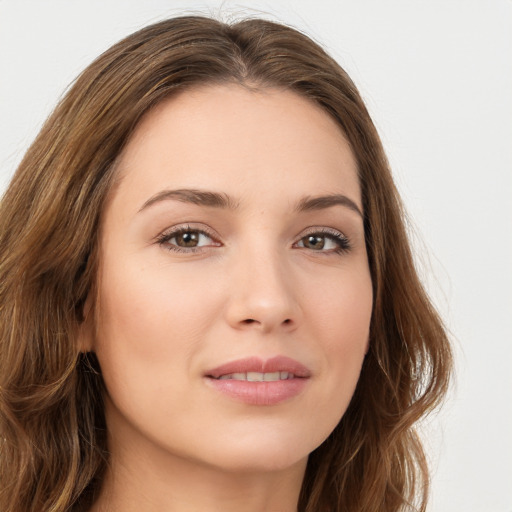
255 285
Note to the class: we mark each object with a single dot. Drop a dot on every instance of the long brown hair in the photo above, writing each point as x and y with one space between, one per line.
53 450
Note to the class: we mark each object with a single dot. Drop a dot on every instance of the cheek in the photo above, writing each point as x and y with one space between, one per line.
150 322
162 300
341 310
340 317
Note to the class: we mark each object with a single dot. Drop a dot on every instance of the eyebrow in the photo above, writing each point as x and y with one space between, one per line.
322 202
224 201
194 196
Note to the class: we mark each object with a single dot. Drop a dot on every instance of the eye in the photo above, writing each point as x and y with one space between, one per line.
186 239
325 241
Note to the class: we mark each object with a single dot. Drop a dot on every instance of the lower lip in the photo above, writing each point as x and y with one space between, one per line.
259 393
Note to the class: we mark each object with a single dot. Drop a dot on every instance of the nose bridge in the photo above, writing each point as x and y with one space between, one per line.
262 289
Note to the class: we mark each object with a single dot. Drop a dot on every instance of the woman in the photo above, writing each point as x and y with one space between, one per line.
208 300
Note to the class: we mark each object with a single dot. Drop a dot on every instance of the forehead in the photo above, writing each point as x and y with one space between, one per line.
240 142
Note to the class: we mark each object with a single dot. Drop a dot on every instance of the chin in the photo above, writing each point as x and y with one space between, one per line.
266 450
261 461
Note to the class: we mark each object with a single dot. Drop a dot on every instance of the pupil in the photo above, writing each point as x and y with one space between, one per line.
315 242
188 239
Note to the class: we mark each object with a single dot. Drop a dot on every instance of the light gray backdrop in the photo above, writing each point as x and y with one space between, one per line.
437 77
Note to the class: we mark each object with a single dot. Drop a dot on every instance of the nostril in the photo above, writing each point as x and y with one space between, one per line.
250 321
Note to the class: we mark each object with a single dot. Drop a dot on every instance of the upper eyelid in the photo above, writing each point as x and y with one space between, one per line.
210 232
323 230
181 228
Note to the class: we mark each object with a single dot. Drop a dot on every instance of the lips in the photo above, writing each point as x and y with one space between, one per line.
257 365
258 376
255 381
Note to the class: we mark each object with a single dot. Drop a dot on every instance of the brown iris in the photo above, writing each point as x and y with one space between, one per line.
314 242
187 239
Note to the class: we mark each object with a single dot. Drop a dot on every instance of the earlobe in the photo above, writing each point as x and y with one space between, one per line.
85 337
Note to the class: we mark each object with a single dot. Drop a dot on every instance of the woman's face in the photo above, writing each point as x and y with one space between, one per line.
234 295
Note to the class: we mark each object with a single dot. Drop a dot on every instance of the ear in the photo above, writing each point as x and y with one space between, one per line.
85 339
367 346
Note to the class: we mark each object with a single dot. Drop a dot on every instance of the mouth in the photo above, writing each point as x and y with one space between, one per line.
254 369
258 376
255 381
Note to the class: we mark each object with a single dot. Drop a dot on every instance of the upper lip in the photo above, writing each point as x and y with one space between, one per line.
256 364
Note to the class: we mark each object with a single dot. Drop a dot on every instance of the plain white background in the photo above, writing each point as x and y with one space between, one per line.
437 78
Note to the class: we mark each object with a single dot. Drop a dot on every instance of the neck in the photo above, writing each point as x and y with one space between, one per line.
138 481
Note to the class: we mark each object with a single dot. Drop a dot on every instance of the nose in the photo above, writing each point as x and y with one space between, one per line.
262 294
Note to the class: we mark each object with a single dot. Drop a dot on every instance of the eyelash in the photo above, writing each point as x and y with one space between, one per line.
164 239
342 242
